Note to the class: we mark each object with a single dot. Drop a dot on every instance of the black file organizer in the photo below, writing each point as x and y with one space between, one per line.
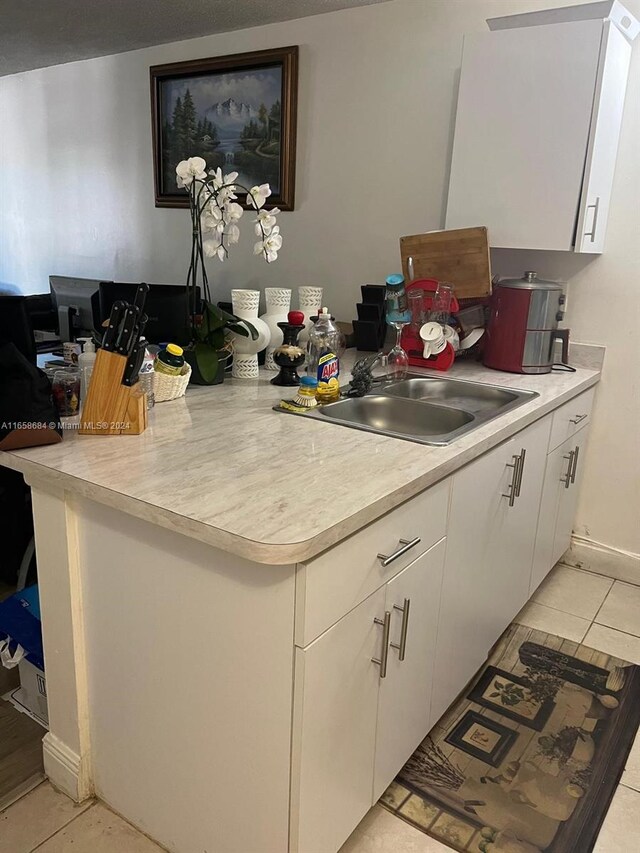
370 328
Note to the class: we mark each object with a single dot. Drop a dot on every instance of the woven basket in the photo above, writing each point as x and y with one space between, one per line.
167 387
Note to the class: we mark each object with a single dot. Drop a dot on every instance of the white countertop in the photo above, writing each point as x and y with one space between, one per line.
221 466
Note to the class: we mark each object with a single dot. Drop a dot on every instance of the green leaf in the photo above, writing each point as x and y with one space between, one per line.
207 359
216 339
214 316
244 328
252 330
224 315
240 330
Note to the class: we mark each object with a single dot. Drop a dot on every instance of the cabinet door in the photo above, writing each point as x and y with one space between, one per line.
521 134
490 541
608 107
568 495
404 704
556 468
335 710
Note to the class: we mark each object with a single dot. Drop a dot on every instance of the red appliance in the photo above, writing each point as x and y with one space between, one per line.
523 325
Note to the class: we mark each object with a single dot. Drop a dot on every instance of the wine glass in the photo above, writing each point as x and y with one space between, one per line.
397 359
398 315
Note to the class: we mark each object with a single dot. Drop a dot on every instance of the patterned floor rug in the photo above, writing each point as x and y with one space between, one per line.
529 757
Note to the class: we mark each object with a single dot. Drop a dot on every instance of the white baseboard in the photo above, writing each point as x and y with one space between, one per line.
63 768
602 560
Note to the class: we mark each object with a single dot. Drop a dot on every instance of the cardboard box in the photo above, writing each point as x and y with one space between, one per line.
31 696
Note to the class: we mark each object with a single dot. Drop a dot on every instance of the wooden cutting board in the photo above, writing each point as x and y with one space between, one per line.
459 256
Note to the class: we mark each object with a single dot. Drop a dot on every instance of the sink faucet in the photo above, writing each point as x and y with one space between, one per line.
362 379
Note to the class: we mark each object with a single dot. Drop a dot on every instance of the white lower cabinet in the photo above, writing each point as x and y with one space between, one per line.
490 545
404 700
334 736
356 721
558 505
370 685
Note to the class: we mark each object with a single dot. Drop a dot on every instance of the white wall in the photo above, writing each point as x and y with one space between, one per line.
376 107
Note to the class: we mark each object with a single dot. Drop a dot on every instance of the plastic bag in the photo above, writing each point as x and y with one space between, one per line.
8 659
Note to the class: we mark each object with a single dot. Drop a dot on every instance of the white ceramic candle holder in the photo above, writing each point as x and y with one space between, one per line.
245 350
278 301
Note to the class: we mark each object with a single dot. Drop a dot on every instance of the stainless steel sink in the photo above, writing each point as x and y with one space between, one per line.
425 409
458 393
417 421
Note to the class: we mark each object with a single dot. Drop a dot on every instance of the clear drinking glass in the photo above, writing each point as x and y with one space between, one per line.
441 305
416 306
66 392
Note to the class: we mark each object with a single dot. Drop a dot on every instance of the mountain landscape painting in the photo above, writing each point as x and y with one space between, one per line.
237 112
233 120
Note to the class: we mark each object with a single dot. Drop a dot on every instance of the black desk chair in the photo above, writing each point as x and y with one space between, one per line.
15 325
15 506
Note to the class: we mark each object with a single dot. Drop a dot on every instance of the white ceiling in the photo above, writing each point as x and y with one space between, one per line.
38 33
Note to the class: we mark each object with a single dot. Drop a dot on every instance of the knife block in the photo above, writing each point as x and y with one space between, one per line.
112 408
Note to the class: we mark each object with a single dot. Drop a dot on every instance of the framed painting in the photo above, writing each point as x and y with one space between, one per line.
482 738
510 695
237 112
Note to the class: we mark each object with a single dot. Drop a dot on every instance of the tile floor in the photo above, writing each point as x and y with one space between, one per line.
578 605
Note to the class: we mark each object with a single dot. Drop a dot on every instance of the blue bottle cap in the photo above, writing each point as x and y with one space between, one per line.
309 382
395 279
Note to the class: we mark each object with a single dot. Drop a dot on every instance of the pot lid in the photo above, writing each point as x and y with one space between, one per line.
530 281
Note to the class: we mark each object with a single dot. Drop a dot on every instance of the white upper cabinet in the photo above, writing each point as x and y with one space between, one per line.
538 119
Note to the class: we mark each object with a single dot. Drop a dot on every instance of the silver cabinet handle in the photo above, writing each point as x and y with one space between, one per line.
406 545
511 494
519 470
386 629
578 419
402 645
596 206
566 478
574 467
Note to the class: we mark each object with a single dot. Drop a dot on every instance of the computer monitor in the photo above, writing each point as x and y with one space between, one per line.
166 307
75 301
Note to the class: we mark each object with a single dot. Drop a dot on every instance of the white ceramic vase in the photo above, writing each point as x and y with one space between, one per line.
310 302
278 301
245 350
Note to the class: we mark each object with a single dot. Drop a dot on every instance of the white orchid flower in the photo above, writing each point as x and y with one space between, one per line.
233 211
270 246
213 249
212 217
260 194
265 221
187 170
204 194
225 195
218 179
214 210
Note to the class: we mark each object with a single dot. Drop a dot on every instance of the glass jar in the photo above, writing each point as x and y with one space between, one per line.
170 360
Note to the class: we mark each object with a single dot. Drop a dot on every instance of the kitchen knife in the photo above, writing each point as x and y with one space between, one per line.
136 357
127 337
141 296
112 331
